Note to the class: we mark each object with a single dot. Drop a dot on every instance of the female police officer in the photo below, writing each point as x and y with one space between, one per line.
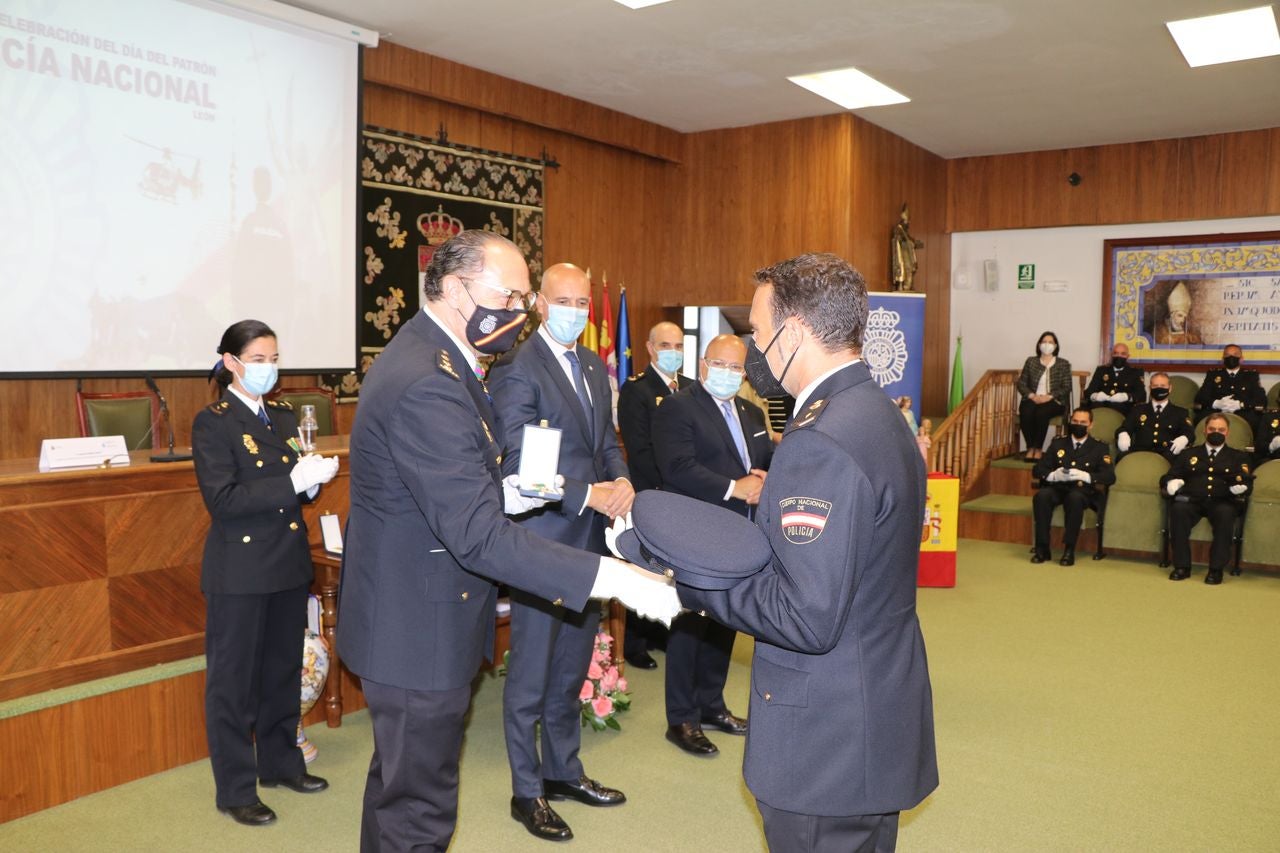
255 575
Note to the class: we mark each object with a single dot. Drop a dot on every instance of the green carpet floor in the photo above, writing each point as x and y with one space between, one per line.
1095 708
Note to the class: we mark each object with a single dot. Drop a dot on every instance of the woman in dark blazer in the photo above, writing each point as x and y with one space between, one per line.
1045 387
255 575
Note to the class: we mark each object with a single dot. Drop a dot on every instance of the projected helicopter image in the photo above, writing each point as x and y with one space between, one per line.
162 179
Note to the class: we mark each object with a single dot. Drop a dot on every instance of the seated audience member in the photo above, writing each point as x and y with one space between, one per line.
1070 474
1158 426
1045 387
1210 480
1266 441
1116 385
1232 388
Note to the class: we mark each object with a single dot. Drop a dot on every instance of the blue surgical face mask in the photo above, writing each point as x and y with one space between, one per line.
722 383
565 323
670 361
259 378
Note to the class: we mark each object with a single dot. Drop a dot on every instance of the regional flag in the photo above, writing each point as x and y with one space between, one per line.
607 353
624 338
591 335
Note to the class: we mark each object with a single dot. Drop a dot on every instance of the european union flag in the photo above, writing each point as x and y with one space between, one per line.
622 334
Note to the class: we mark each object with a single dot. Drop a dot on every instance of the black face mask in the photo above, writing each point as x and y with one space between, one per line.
1159 393
1078 430
493 331
758 372
1231 362
1119 361
1215 439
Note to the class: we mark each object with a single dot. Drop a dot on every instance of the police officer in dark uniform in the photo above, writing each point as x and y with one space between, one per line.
1232 388
255 575
1117 385
1213 481
1158 426
638 401
1266 442
1070 473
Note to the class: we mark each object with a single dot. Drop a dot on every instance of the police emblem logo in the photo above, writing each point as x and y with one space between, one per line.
884 347
1275 424
1142 419
488 324
657 401
1195 460
1217 379
1061 453
803 519
250 445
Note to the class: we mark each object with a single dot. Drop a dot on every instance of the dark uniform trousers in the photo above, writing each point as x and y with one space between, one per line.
789 832
698 653
1207 479
1074 496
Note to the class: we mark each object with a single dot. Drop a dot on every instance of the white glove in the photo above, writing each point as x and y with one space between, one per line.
514 503
1098 397
1082 476
621 523
1057 475
1121 397
1238 489
1275 443
1179 444
1171 487
650 596
312 471
1123 441
1221 403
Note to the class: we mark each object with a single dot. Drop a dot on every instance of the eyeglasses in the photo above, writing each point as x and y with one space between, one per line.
517 300
720 364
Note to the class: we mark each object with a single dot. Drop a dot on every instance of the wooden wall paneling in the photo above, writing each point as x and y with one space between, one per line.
152 607
1137 182
32 681
1079 204
144 534
1244 175
43 627
1200 190
51 545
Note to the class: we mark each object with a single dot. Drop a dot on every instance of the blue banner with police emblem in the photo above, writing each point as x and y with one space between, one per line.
893 346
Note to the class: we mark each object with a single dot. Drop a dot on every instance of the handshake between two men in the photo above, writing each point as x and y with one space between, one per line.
650 595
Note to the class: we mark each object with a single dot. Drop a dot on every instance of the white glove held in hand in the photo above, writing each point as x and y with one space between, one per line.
1179 444
649 595
1123 441
1098 397
1238 489
311 471
1082 476
621 523
1057 475
1171 487
514 503
1120 397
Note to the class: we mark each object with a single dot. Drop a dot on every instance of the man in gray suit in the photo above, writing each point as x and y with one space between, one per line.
841 737
551 380
427 537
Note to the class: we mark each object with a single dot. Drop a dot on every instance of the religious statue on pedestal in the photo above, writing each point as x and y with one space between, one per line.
902 252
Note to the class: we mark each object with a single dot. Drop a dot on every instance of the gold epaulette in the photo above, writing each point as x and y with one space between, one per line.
445 363
219 407
809 415
280 404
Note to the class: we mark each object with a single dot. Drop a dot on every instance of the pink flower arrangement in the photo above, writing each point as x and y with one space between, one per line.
604 692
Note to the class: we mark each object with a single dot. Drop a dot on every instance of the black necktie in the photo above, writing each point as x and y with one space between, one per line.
580 385
262 416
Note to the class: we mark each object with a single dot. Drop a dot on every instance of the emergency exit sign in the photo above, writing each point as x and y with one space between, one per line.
1026 276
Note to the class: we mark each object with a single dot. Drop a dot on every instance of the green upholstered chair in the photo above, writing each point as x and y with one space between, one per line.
1135 509
1106 422
1262 519
1239 433
1182 392
132 414
321 398
1273 396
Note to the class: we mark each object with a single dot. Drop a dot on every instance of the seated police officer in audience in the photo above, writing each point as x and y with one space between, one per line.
1213 481
1071 474
1266 441
714 446
1232 389
1116 385
1045 388
1158 426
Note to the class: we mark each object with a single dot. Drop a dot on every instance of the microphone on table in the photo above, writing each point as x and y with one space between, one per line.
164 411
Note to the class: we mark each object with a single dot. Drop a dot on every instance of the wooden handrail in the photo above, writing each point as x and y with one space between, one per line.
983 427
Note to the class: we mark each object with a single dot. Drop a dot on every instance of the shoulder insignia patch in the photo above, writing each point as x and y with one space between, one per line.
808 416
632 378
1106 459
280 404
1244 468
219 408
249 444
803 519
445 363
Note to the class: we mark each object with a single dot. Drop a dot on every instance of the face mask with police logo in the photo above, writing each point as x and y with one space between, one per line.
722 383
760 375
493 331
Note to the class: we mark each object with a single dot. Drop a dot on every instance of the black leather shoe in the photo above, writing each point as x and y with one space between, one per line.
726 722
1179 574
1235 572
540 819
304 784
1041 555
255 814
644 660
583 789
1214 577
1068 556
689 737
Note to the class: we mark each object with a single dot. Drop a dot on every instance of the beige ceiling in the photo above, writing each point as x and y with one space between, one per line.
984 76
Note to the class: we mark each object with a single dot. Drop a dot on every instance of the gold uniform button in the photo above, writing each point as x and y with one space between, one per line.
465 596
559 602
284 459
293 525
245 539
768 697
259 463
669 573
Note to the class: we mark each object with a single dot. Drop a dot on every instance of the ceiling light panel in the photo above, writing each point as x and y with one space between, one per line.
850 88
1231 37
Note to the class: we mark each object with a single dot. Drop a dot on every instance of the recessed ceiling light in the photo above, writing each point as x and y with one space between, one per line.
640 4
850 88
1232 37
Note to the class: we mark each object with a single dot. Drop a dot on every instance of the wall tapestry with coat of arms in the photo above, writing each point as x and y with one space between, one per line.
416 194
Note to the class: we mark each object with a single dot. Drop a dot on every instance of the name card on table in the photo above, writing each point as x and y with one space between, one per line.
95 451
